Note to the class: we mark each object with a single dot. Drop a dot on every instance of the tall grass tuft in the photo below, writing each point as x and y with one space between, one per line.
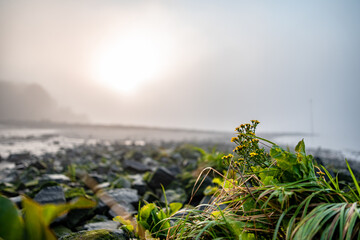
272 194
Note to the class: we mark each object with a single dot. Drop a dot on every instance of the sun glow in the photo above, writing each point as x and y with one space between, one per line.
132 59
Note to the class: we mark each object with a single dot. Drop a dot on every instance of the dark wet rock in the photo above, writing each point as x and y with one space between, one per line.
39 165
102 169
137 156
135 166
115 169
58 178
77 217
18 157
109 225
101 234
190 164
161 176
126 197
150 162
98 218
53 194
121 182
98 178
139 184
174 169
22 166
165 160
150 197
61 231
177 157
175 195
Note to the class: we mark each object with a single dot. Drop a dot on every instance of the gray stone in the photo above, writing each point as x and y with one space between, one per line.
135 166
53 194
59 178
139 184
121 182
161 176
18 157
96 234
177 195
126 197
109 225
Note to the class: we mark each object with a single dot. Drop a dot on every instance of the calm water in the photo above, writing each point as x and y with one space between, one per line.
39 138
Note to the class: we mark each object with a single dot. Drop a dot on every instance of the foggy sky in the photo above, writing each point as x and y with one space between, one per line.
230 61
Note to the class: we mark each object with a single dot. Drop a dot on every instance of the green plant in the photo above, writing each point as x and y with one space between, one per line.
274 194
33 223
152 220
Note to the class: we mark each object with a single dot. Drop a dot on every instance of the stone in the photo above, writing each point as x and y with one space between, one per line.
135 166
18 157
61 231
97 177
96 235
126 197
109 225
139 184
121 182
177 195
39 165
161 176
58 178
53 194
175 170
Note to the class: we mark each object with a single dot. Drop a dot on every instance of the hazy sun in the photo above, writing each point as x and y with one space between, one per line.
132 59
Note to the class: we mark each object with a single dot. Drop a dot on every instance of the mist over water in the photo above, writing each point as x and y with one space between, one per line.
204 65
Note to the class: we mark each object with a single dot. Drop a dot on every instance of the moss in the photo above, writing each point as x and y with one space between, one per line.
101 234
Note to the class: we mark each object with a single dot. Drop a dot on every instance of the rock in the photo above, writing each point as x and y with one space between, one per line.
53 194
175 170
139 184
135 166
39 165
61 231
58 178
177 195
151 162
78 216
138 156
121 182
18 157
97 177
126 197
108 225
96 235
161 176
177 157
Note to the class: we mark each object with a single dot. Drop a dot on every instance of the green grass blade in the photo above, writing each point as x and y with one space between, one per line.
353 177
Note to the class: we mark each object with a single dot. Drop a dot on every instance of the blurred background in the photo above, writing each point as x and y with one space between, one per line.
195 65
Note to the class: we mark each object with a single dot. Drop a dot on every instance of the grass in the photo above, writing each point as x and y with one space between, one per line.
271 194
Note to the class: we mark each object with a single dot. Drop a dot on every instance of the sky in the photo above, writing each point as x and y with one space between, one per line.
212 65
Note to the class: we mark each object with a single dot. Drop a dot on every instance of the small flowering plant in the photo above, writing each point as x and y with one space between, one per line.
248 151
274 166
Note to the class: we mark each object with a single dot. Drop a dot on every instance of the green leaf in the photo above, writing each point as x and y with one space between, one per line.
174 207
39 217
146 210
353 177
12 225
